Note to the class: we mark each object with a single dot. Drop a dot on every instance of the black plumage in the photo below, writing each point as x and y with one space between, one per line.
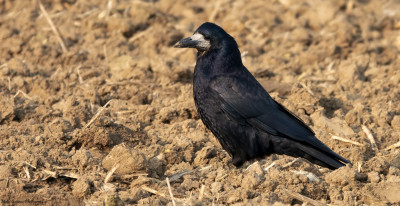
248 123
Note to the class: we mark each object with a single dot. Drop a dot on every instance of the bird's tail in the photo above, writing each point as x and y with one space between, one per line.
324 157
321 158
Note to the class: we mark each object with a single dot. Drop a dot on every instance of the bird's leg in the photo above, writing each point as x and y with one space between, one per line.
237 160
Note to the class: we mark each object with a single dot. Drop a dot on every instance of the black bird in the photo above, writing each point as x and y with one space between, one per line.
247 122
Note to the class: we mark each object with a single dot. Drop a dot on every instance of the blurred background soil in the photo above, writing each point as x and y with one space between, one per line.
107 118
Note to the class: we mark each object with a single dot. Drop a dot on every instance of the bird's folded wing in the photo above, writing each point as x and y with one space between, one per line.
244 99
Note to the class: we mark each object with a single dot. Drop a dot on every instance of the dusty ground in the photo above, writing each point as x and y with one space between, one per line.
334 63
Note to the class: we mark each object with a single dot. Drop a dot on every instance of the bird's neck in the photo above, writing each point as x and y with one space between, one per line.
219 61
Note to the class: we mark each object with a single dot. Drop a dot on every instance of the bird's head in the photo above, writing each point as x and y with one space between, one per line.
208 36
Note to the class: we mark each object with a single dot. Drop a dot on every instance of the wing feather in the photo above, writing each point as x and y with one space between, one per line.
247 101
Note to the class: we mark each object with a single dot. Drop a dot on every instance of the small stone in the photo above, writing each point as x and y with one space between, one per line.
129 160
396 161
374 177
256 169
81 187
203 156
396 122
344 176
254 176
81 157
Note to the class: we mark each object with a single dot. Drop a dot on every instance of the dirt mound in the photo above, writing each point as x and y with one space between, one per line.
107 118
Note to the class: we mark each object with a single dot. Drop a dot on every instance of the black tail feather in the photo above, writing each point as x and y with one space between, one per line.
328 159
323 159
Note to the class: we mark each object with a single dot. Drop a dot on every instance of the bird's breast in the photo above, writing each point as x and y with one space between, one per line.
206 102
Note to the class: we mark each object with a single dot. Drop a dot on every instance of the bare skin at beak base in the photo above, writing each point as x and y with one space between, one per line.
186 43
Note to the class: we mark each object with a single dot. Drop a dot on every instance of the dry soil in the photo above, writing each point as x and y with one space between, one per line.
110 117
